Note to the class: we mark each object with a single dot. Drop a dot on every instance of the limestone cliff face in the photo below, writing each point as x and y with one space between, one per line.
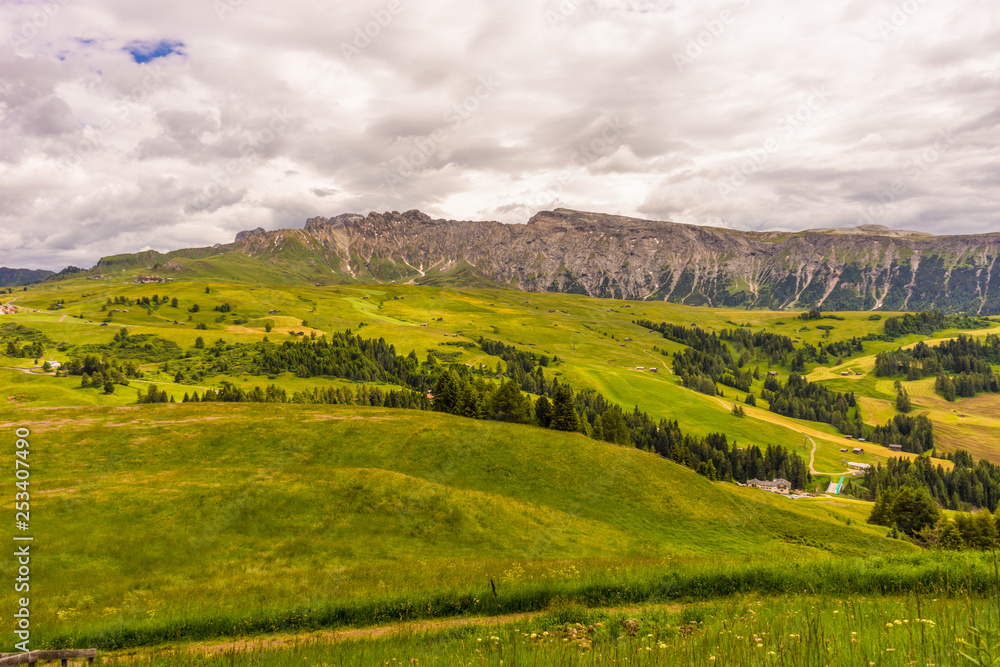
867 268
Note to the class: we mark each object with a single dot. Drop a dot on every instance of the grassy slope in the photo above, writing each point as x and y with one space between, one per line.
586 334
972 424
199 509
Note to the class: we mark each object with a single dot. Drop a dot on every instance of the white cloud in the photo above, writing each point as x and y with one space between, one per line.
265 113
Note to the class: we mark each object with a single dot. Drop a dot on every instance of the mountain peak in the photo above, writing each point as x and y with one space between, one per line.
247 233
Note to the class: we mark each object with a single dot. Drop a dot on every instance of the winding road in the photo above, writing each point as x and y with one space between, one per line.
762 415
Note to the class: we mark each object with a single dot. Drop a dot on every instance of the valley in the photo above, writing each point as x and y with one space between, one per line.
247 516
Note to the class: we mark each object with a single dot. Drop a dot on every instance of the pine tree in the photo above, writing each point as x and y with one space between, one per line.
880 515
446 393
613 427
564 412
950 538
543 411
902 400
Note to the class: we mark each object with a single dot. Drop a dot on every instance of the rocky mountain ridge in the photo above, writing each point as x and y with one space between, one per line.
869 268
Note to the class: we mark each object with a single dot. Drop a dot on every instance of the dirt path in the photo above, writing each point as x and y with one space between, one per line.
805 432
23 370
327 636
660 359
812 460
267 642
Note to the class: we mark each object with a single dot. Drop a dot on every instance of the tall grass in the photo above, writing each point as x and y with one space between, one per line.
743 631
927 575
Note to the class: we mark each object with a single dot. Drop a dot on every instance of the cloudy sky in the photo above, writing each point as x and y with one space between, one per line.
129 125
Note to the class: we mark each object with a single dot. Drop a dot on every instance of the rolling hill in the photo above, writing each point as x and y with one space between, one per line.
289 505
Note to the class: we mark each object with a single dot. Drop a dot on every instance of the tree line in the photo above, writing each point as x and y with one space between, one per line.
913 512
963 366
800 399
459 390
23 342
973 484
929 322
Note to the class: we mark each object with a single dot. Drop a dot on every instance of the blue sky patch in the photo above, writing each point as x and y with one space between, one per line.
143 52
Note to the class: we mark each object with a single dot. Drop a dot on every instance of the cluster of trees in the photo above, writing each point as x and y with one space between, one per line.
722 357
525 368
800 399
344 355
29 350
748 346
973 484
101 372
147 302
963 366
364 395
980 531
468 396
708 358
966 385
903 403
928 322
915 434
23 342
700 371
91 363
840 349
230 393
760 345
910 510
125 345
713 454
154 395
914 513
107 382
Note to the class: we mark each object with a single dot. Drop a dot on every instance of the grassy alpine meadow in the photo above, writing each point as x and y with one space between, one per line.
596 341
741 630
281 533
202 514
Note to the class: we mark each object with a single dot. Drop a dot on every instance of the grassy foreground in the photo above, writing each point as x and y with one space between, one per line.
165 521
742 630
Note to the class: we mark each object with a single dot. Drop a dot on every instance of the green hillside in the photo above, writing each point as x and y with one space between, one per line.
197 511
176 521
